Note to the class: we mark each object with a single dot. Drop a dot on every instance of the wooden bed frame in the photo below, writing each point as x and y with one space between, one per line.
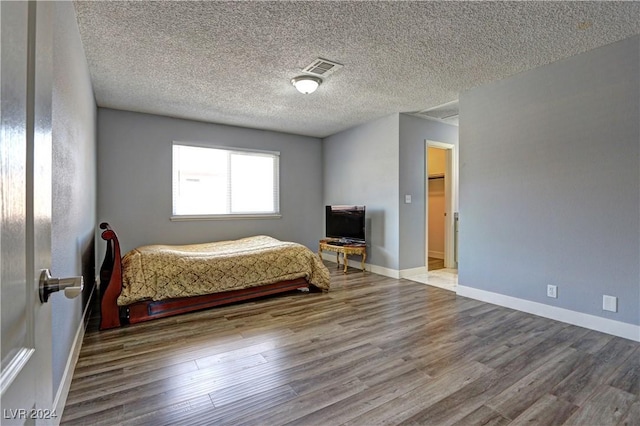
113 316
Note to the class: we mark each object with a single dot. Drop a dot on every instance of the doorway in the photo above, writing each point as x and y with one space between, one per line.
436 207
441 187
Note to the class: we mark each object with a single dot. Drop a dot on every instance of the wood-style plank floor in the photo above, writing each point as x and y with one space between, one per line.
435 264
374 350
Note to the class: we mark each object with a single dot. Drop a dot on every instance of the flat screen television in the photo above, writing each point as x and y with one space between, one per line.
345 222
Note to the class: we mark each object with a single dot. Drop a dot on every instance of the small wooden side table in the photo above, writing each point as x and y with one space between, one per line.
346 250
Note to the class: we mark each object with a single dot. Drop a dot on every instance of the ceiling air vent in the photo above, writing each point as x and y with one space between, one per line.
322 67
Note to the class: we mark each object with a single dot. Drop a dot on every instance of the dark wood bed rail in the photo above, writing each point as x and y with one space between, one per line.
110 280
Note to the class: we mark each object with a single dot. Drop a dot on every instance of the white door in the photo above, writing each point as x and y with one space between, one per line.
25 217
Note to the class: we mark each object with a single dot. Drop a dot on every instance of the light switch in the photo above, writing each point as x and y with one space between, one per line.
407 199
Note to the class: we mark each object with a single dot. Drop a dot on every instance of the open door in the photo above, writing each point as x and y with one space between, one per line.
25 218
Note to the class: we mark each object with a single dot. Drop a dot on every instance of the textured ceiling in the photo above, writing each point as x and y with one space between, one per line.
232 62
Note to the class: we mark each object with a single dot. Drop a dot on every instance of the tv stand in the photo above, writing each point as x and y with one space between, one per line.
346 248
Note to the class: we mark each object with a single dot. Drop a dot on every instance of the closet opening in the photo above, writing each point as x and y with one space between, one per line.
441 193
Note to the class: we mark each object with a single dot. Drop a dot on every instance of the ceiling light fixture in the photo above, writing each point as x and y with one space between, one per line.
306 84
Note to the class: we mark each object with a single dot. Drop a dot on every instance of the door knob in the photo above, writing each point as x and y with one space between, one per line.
72 286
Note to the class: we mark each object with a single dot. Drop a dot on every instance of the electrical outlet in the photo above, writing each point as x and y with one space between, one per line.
609 303
552 291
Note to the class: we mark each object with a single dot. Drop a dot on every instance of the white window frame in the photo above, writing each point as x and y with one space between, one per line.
187 217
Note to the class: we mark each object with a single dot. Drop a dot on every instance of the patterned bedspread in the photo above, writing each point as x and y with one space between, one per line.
160 272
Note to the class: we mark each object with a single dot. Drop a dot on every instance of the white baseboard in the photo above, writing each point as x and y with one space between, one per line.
592 322
381 270
421 270
436 254
65 384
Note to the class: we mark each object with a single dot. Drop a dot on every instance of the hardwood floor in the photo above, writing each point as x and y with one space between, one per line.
435 264
374 350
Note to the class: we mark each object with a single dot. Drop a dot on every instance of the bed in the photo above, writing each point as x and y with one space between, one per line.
157 281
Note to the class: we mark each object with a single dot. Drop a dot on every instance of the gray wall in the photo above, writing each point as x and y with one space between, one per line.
73 181
413 133
549 183
361 167
134 181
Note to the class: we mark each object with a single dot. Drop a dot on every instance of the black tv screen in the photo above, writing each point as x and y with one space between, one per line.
345 222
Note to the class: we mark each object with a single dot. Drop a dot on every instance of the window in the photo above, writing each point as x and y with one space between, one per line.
224 182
